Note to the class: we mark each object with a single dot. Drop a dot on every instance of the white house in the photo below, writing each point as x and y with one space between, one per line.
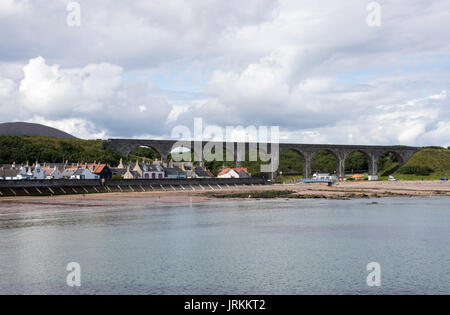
233 173
9 174
24 173
68 173
37 172
52 173
84 173
152 172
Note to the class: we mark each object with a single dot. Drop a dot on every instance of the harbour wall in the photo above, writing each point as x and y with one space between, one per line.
69 187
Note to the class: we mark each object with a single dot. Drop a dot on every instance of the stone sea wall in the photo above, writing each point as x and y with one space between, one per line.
66 186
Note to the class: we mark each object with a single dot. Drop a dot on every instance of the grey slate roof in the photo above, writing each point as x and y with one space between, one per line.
174 171
9 172
118 171
200 172
68 172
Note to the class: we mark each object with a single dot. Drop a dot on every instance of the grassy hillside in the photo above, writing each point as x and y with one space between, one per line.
429 163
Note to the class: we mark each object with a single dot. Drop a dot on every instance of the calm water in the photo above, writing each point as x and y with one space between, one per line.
239 247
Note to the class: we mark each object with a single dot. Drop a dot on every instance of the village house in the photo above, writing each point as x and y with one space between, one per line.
24 172
143 170
153 172
84 173
37 173
174 172
234 173
52 172
102 170
138 169
131 174
9 174
200 172
68 173
118 172
191 170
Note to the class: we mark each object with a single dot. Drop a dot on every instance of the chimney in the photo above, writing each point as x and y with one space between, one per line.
137 166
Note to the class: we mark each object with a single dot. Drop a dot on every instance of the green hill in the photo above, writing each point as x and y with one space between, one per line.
30 129
428 163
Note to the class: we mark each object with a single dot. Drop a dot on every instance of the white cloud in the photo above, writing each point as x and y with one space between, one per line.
8 7
7 86
53 91
77 127
176 111
92 101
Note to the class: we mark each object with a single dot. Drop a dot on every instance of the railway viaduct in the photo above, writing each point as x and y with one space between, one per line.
234 150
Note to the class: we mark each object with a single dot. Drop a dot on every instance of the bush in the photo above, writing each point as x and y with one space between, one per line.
415 170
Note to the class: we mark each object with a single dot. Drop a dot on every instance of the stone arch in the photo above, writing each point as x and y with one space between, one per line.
339 161
389 156
137 146
300 154
365 154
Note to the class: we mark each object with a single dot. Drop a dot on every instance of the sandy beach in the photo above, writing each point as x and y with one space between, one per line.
345 190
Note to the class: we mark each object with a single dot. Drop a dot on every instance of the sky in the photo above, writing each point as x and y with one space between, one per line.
325 71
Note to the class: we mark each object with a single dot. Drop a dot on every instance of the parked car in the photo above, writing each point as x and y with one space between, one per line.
444 178
392 178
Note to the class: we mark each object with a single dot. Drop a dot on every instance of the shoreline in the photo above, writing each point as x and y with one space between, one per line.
341 191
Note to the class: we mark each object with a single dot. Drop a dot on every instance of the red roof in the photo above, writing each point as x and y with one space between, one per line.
94 168
98 168
226 170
